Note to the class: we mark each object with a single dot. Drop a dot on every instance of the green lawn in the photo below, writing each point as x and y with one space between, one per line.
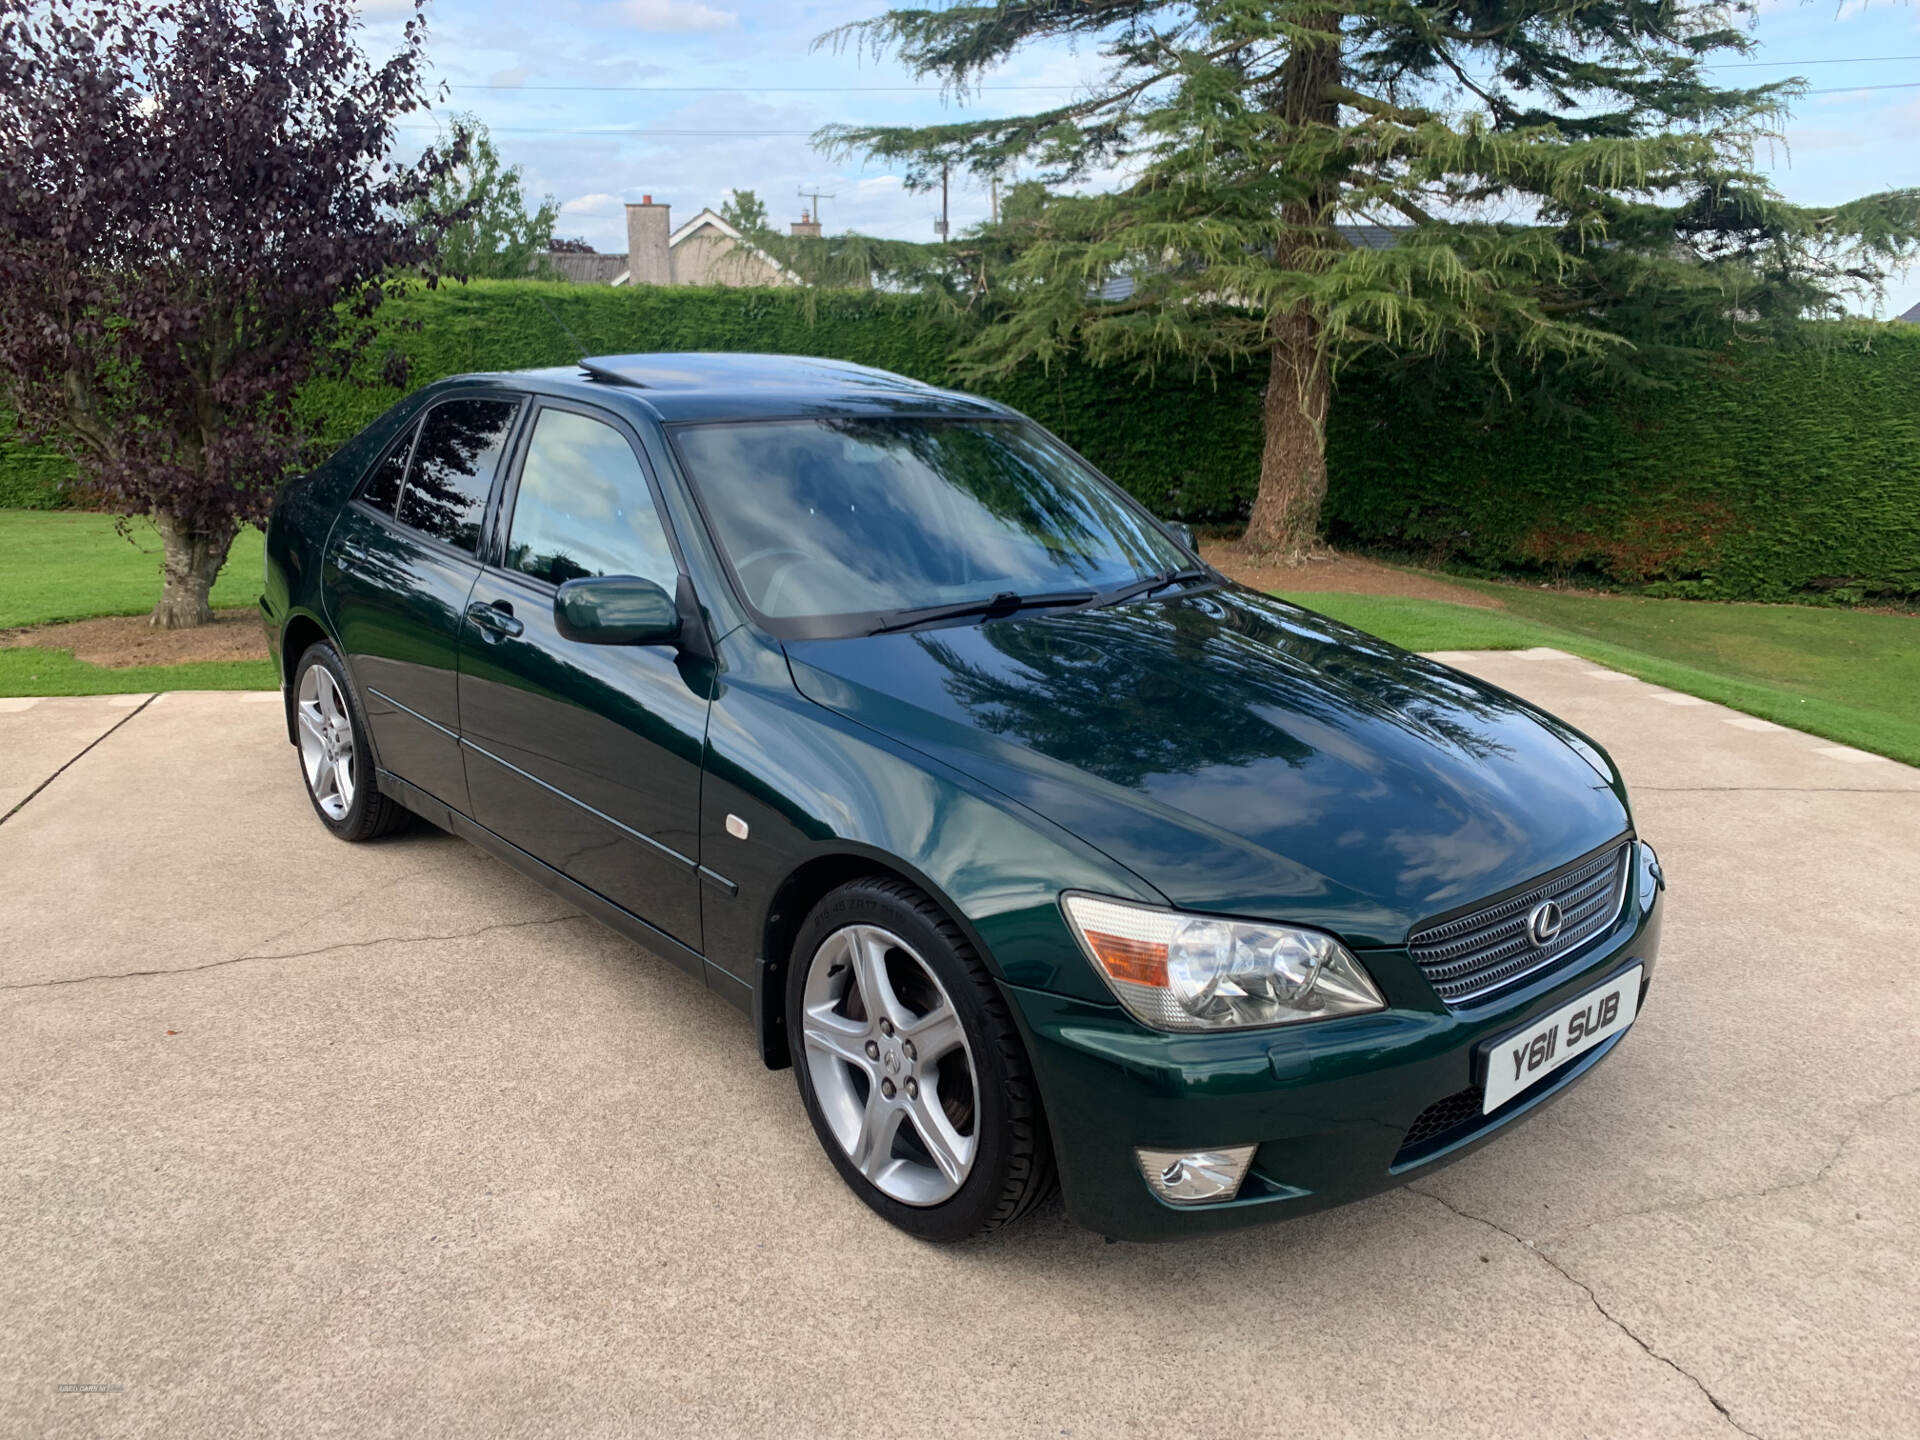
68 565
1852 676
56 672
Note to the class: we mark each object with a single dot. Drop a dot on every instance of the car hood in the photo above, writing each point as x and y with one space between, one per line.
1240 754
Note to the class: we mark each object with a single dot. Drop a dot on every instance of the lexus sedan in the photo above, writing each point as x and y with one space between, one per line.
1043 853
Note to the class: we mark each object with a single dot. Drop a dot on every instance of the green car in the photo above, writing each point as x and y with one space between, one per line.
1039 850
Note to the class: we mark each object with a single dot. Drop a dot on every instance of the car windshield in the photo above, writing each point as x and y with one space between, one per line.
839 526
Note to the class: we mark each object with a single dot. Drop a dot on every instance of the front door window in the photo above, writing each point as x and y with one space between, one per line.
584 507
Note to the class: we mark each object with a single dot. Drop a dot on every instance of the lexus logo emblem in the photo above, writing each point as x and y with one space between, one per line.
1544 922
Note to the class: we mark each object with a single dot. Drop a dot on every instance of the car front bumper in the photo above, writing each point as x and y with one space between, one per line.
1330 1104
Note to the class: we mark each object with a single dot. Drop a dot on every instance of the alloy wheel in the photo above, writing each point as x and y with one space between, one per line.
326 742
890 1066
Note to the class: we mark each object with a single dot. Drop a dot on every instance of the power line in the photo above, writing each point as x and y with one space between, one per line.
1841 60
751 89
588 133
1856 89
584 133
935 90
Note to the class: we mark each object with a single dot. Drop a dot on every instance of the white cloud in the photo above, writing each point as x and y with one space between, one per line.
384 9
674 17
513 78
596 205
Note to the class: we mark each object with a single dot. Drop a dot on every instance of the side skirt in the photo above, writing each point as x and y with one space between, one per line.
589 902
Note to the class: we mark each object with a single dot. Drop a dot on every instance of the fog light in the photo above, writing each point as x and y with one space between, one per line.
1196 1177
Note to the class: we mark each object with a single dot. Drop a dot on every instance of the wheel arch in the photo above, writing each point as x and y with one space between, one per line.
298 635
793 900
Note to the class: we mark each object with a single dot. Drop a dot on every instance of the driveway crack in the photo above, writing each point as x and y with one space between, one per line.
1779 1187
295 954
1593 1299
28 798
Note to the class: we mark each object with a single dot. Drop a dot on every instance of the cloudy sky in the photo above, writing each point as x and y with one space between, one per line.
559 81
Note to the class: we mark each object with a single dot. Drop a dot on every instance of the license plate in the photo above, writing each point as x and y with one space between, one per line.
1528 1056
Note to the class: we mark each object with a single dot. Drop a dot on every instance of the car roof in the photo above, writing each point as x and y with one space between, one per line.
695 386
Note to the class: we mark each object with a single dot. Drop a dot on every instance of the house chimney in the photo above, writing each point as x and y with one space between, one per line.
648 229
806 225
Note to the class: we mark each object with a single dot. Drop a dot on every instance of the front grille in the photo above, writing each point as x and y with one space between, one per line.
1473 955
1456 1112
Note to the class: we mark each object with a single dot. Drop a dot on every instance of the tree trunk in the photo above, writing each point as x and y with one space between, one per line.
1293 462
193 557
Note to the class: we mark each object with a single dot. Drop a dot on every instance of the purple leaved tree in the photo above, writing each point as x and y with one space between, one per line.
198 213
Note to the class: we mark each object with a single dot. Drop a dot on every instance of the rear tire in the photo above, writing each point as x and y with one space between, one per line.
336 757
910 1066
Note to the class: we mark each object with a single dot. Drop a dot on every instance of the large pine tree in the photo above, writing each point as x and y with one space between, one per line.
1564 180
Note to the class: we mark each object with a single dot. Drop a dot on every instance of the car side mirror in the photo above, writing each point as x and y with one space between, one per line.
616 610
1183 533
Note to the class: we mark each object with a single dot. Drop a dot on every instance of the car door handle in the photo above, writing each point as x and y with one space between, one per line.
496 618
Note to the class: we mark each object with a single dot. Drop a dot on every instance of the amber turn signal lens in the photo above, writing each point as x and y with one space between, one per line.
1139 962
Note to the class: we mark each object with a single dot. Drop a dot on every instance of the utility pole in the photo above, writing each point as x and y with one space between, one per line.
941 224
816 196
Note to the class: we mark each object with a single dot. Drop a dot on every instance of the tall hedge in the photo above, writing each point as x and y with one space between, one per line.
32 477
1768 474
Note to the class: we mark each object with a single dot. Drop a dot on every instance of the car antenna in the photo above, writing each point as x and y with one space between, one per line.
553 315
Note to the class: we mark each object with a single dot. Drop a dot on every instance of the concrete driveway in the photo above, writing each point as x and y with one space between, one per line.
302 1138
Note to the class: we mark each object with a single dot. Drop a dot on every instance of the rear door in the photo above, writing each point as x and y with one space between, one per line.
586 756
399 567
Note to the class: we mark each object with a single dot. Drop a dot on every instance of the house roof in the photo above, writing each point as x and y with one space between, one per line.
612 269
1360 237
1372 237
705 217
589 269
1912 317
709 217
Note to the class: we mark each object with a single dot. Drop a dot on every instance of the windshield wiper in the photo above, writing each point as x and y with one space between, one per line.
1005 603
1155 582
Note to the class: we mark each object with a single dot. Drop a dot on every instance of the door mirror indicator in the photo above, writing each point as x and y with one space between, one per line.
616 610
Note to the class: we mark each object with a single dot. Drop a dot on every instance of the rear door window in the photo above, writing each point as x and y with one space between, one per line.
381 489
452 470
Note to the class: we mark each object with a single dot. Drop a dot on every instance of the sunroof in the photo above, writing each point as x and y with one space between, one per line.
603 372
733 371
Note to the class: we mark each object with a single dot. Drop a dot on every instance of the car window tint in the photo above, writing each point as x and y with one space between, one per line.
382 487
584 507
453 466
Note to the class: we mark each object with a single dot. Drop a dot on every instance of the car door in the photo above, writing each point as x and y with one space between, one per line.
399 566
585 756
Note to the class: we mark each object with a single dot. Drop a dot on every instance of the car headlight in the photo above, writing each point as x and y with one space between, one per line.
1175 971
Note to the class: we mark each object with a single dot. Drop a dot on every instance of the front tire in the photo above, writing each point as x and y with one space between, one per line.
330 728
910 1066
